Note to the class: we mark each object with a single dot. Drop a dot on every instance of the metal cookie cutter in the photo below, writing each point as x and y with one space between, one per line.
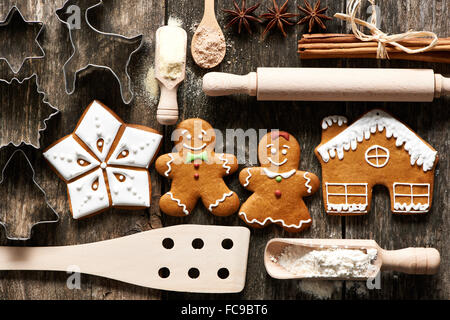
36 185
12 13
44 100
79 30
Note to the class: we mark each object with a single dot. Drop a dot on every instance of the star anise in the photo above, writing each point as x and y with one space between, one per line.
314 15
278 17
242 16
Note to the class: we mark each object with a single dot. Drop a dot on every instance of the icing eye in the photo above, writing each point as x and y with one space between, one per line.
189 137
200 137
83 163
120 177
273 151
123 154
100 144
284 152
95 185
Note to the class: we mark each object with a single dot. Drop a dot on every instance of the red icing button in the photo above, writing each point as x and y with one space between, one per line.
196 165
196 176
277 193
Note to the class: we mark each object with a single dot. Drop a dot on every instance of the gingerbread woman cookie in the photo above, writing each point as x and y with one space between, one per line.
197 172
277 185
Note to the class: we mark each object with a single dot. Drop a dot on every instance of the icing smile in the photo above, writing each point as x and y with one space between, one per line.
277 163
194 149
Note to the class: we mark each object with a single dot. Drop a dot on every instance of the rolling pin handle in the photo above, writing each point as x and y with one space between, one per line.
217 84
442 86
412 260
167 113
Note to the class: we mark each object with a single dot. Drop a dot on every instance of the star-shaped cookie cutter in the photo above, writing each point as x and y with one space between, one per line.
44 100
36 184
130 41
15 10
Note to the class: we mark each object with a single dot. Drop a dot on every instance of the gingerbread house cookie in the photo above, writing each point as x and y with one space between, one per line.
278 186
105 162
197 172
377 149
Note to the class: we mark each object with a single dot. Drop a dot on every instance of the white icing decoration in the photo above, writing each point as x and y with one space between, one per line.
83 198
168 165
90 134
328 121
247 180
346 206
178 201
219 201
308 180
284 175
301 222
277 163
420 153
129 192
377 156
149 143
412 206
130 188
224 165
64 155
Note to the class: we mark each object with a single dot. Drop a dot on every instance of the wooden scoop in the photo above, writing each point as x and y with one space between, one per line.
167 113
410 260
191 258
208 24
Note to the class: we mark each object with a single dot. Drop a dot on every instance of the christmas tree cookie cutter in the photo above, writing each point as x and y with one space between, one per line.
4 224
43 127
12 12
83 28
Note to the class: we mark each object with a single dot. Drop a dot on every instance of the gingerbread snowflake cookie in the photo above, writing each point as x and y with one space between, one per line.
105 162
377 149
277 185
197 172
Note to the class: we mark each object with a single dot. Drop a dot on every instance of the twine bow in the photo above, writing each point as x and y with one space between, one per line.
377 35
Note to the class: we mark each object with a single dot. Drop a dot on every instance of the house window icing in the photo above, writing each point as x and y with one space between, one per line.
411 197
377 156
346 197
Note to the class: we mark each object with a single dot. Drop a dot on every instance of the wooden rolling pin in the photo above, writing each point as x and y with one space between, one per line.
331 84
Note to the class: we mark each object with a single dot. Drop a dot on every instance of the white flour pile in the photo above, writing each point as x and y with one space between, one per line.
327 263
209 47
172 52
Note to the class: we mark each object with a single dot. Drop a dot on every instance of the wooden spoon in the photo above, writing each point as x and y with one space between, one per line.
410 260
191 258
208 29
167 113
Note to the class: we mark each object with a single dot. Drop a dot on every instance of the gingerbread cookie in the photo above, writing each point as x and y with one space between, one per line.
277 185
197 172
376 149
105 162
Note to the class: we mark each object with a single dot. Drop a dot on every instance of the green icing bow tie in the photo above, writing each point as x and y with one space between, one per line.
191 156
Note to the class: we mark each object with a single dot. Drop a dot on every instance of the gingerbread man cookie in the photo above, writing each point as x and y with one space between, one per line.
197 172
277 185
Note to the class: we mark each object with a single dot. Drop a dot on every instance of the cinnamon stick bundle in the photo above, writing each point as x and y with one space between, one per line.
332 45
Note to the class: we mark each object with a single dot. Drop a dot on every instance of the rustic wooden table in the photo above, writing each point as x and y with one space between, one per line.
302 119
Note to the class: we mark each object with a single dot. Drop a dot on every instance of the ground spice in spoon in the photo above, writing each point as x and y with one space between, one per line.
209 47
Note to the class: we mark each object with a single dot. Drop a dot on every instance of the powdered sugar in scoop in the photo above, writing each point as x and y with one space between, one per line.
328 263
208 48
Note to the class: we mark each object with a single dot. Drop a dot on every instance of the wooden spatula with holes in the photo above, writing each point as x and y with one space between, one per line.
187 258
